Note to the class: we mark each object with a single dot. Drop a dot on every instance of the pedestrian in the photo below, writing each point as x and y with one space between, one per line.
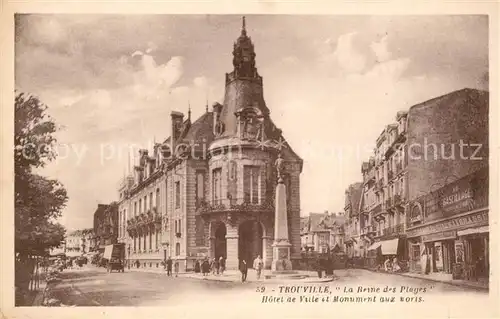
387 264
258 264
205 267
197 267
319 267
216 265
222 265
137 263
169 266
244 270
176 267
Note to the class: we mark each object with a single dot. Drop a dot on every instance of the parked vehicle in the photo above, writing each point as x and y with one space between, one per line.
115 257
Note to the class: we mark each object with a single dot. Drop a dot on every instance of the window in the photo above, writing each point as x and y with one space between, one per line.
151 200
217 184
145 203
140 205
135 208
200 186
177 249
177 194
157 200
251 179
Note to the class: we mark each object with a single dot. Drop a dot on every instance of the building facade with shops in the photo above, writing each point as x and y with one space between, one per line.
208 189
384 195
447 213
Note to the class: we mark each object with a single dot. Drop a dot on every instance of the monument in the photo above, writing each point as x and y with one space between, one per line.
281 245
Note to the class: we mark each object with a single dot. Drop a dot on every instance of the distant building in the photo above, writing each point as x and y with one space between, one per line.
322 232
105 226
78 242
353 244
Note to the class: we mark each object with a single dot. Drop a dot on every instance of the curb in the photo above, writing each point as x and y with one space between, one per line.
456 284
270 281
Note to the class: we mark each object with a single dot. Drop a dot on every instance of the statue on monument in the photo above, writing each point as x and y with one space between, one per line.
280 167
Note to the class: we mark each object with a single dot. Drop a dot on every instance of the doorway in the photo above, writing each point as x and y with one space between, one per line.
220 244
250 241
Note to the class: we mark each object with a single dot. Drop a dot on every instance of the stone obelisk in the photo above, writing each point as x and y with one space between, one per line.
281 244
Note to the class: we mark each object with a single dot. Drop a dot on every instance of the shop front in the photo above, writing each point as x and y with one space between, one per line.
448 229
457 246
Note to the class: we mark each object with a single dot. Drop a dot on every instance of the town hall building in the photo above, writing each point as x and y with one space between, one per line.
209 189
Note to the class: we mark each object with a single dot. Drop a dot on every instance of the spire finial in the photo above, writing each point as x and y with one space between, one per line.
206 105
189 110
243 27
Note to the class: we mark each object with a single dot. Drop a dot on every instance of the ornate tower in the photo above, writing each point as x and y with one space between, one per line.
243 86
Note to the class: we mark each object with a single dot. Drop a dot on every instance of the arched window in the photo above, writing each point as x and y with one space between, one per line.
177 249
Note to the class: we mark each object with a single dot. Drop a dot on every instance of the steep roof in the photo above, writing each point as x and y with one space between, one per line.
317 222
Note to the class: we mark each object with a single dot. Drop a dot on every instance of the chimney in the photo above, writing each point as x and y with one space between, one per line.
176 125
217 107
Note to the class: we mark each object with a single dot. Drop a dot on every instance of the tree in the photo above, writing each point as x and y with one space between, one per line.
38 200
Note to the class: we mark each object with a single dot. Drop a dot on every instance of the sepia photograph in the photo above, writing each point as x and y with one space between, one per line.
292 165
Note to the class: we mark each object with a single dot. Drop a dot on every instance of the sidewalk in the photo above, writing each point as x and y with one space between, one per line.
235 276
437 277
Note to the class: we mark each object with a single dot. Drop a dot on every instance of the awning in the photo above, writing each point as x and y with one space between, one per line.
477 230
390 247
375 245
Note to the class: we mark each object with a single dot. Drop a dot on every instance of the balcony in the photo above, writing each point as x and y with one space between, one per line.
234 205
370 176
398 201
388 204
390 175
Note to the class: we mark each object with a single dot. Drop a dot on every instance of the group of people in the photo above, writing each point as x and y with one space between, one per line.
258 265
168 266
214 266
392 264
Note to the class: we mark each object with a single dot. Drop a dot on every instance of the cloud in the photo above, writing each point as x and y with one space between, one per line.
200 82
380 49
347 57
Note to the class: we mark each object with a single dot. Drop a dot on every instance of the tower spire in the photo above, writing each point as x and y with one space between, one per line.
243 27
189 111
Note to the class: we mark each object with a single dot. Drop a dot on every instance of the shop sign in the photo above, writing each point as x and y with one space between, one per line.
440 236
457 197
472 220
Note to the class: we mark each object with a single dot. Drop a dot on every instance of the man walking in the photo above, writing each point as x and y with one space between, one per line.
258 264
169 266
244 270
222 265
176 267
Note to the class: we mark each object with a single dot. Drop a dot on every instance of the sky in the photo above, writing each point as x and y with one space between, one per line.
332 83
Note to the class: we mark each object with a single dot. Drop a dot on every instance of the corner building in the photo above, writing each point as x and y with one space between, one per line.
447 213
209 189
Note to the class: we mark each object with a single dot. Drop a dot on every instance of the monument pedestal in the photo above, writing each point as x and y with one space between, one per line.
281 257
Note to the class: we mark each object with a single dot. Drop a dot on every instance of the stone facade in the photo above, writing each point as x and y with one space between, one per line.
105 225
323 232
215 179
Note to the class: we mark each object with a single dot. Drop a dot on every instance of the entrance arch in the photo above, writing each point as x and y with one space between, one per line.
250 243
220 243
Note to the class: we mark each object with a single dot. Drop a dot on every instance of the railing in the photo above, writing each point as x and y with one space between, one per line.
234 204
